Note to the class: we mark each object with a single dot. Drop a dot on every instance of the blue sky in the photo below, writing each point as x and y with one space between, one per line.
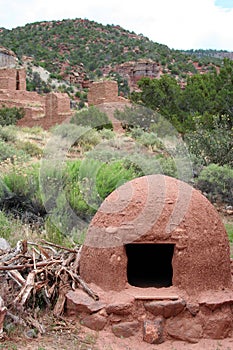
180 24
224 3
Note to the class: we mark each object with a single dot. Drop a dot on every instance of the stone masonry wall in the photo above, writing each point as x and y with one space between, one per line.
57 109
101 92
8 78
21 79
12 79
45 111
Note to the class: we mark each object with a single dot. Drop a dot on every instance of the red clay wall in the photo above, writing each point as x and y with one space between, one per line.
101 92
57 109
44 111
12 79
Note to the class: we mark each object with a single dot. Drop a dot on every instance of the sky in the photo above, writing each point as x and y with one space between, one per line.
179 24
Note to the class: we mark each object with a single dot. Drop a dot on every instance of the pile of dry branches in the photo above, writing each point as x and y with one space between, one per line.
37 276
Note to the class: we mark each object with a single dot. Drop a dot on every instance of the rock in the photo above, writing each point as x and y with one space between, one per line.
166 308
125 329
186 329
4 245
218 327
193 308
31 333
153 331
79 301
119 308
95 322
216 300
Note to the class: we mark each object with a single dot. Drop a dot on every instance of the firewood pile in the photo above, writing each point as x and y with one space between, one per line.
36 276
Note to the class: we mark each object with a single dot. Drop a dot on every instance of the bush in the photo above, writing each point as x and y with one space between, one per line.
106 134
93 118
229 229
135 116
8 133
213 144
9 116
30 148
217 182
21 192
82 136
8 151
5 226
147 139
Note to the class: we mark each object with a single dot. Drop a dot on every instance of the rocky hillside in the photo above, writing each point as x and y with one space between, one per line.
78 51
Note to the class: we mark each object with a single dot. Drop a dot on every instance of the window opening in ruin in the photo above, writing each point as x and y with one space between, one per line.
17 81
150 265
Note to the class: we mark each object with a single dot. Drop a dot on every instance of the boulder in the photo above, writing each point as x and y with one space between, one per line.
125 329
153 331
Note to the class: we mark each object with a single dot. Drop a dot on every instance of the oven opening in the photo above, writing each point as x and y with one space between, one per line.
150 265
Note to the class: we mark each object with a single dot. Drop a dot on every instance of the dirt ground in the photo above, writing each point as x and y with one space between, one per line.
105 341
67 334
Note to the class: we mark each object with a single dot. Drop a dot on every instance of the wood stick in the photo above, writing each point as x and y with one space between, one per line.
75 266
26 289
59 246
85 287
25 266
17 277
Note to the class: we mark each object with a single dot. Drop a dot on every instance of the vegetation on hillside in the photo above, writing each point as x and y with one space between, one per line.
205 103
74 45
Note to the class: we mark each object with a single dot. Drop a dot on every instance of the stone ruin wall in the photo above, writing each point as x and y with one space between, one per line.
102 92
12 79
44 111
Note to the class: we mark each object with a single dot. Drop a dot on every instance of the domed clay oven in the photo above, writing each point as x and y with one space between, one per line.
160 246
155 226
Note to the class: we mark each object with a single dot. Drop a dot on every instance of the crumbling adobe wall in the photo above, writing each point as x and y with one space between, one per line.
44 111
52 109
57 109
13 79
31 102
101 92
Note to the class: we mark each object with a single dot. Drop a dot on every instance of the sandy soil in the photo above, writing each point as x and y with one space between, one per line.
80 338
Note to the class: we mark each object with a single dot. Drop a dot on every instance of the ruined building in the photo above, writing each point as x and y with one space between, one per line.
45 111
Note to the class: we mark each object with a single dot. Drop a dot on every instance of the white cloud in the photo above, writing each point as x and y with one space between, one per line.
179 24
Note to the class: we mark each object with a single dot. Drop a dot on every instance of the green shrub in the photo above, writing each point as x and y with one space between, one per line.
213 144
8 133
30 148
93 118
106 134
149 165
111 176
5 226
21 185
147 139
229 229
35 130
135 116
8 151
9 116
217 182
78 135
